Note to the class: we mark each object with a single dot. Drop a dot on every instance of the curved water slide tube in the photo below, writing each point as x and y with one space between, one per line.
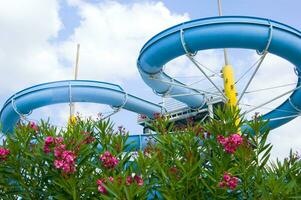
80 91
221 32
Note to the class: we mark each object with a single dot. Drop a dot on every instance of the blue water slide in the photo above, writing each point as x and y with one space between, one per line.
221 32
79 91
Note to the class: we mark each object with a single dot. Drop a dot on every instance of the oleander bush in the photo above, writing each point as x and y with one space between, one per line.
90 160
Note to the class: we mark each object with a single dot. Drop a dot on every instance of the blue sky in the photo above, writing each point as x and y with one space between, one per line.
109 28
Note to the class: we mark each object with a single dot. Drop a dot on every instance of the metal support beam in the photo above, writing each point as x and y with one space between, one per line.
252 77
274 99
72 105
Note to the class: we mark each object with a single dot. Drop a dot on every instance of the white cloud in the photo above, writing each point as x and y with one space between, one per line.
111 35
26 56
285 138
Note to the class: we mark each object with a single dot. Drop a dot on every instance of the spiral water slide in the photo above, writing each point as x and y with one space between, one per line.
186 38
222 32
45 94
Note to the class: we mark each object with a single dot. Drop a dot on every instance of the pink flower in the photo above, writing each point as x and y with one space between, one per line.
228 181
64 159
59 149
230 143
49 140
67 161
33 126
111 179
107 154
4 153
221 139
233 183
46 149
99 182
236 139
227 177
68 168
230 149
108 160
114 160
221 184
58 163
100 187
129 180
139 180
68 156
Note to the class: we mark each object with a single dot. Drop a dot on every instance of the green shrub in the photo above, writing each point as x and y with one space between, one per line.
88 160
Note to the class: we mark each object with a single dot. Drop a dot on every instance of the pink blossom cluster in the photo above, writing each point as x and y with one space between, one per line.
108 160
33 126
101 187
64 159
4 153
230 143
51 142
228 181
129 180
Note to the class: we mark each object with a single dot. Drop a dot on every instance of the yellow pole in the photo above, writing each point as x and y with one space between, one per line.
230 89
229 85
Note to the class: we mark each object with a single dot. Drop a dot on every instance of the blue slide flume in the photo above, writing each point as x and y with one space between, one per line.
80 91
222 32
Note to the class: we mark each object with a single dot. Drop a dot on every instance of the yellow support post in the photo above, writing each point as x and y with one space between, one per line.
72 120
229 85
230 89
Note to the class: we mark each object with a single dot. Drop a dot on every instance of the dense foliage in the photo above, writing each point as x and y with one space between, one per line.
88 160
